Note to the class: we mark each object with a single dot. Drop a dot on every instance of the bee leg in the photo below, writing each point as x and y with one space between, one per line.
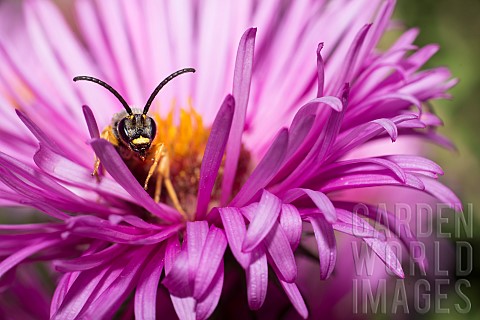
161 165
158 186
164 171
96 167
159 153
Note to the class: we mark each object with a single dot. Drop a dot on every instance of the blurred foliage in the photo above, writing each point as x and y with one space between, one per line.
455 26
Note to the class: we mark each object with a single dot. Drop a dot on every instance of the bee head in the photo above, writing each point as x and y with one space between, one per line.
137 131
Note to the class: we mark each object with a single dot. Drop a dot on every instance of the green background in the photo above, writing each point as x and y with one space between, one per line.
455 26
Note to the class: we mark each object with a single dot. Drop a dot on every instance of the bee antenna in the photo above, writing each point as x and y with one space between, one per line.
162 84
109 88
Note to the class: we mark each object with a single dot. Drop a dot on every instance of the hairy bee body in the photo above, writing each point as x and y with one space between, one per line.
138 163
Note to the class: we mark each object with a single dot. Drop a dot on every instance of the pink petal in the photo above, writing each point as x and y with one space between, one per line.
418 58
61 290
136 222
316 152
23 253
241 91
295 298
291 223
91 122
333 102
389 127
299 130
109 298
442 193
411 99
388 256
177 280
353 181
320 71
184 307
57 75
235 230
76 175
389 220
357 165
207 304
41 136
158 236
117 38
90 261
79 293
322 202
327 251
210 261
171 252
146 292
350 223
262 221
350 61
257 279
118 170
213 155
281 253
94 35
357 136
416 163
196 236
264 171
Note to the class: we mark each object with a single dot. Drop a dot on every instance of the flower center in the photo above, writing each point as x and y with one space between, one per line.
185 141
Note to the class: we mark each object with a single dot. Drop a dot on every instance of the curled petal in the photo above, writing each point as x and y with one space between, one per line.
206 304
197 233
257 279
322 202
291 222
327 251
235 230
333 102
177 280
184 307
281 253
91 122
210 261
262 221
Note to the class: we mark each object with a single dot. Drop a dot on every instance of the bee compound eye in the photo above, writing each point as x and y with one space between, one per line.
153 128
122 131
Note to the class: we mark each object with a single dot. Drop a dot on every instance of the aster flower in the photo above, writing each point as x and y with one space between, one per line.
254 165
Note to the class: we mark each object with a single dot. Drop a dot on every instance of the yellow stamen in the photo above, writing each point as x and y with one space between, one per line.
187 138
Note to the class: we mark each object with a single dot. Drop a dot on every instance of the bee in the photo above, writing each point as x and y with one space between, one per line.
133 132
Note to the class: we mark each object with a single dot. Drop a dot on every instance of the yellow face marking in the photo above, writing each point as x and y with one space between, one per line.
141 140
